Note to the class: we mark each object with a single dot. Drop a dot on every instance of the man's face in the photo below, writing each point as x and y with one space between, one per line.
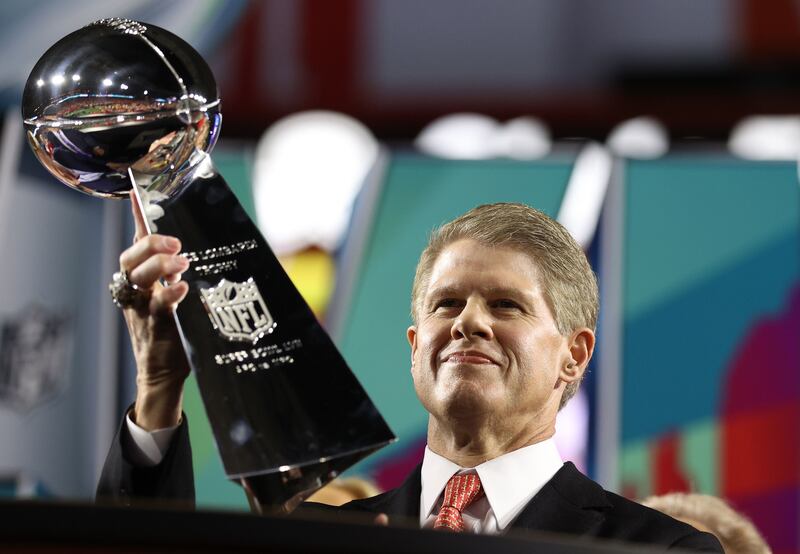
486 344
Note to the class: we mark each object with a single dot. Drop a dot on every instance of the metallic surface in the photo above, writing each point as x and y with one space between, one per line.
115 95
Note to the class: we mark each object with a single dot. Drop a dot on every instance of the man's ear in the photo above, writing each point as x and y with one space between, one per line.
581 347
411 335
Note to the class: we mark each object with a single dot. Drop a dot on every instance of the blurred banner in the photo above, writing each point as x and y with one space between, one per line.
58 332
710 388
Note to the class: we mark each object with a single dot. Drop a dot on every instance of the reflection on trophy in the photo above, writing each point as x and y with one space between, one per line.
120 105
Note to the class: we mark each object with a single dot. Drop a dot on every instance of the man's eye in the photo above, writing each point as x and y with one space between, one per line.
446 303
506 304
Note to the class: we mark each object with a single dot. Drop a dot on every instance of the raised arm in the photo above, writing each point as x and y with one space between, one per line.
160 360
162 369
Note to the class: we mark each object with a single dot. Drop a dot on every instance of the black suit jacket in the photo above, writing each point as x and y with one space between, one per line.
569 503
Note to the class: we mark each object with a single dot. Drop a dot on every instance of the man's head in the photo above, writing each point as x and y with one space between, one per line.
567 282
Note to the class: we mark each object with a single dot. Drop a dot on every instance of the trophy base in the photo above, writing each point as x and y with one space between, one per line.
294 484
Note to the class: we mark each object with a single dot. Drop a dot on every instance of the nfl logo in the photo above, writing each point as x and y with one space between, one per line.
35 347
237 310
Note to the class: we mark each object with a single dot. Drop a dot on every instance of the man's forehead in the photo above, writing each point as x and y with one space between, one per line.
496 268
470 251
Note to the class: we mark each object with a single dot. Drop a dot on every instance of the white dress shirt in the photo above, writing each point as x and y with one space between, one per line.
146 448
509 481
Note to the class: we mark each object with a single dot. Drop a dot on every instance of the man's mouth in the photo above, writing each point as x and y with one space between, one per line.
469 357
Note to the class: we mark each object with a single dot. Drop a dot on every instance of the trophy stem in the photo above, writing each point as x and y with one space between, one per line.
138 199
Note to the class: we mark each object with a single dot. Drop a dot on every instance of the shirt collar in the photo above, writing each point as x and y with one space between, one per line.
510 481
436 471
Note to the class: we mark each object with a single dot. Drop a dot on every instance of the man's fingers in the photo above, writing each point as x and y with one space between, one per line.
146 248
157 267
138 218
167 298
172 279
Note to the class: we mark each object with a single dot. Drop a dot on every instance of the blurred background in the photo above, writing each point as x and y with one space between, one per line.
664 134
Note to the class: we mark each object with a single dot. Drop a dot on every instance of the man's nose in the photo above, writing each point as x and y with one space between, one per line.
474 321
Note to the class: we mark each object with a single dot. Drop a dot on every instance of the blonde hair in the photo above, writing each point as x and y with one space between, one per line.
737 534
568 282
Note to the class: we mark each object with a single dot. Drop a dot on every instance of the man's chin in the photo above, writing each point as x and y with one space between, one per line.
467 402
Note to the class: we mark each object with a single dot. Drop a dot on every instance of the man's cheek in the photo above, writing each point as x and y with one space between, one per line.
417 377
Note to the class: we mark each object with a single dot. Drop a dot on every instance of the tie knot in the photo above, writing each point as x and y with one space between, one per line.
460 492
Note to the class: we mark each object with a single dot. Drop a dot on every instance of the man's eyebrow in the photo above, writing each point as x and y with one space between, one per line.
509 292
442 291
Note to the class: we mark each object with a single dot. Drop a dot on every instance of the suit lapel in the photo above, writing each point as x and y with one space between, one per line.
402 501
569 503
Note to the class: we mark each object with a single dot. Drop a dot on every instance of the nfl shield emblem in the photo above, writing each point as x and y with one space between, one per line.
237 310
34 352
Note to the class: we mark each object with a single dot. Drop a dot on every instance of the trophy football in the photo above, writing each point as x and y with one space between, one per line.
122 105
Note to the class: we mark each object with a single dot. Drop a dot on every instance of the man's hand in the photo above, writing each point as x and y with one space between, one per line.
160 360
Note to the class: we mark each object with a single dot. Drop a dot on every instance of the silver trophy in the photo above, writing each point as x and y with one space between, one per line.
121 105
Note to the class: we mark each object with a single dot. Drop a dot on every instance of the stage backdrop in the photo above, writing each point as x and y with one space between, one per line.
711 357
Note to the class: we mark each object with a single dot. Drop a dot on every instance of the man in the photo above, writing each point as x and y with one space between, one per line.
504 308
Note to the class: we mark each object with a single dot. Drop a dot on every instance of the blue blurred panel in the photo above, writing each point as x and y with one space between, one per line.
711 247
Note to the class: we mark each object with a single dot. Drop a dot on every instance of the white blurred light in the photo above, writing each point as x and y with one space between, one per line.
472 136
523 138
57 79
308 170
107 82
583 200
641 138
767 138
461 136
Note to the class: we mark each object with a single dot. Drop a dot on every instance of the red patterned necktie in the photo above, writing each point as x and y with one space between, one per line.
460 492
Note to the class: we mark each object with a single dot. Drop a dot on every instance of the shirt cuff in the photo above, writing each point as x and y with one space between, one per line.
146 448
